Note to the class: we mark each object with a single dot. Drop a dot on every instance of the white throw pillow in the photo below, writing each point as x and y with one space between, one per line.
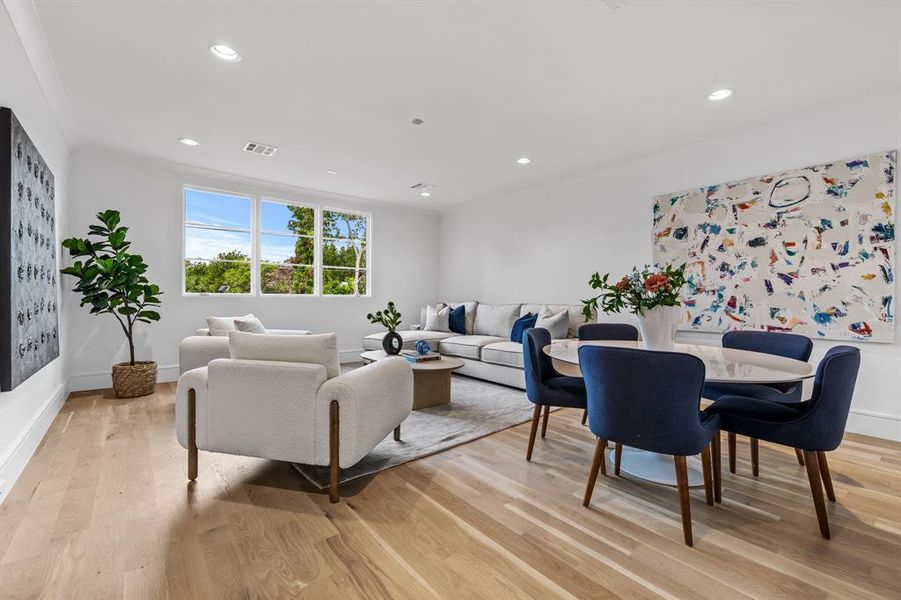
437 320
556 323
220 326
249 325
321 349
422 311
495 319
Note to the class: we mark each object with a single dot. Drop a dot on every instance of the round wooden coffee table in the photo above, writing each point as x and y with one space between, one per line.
431 379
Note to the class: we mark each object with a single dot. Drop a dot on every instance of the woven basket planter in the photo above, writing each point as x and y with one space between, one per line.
131 381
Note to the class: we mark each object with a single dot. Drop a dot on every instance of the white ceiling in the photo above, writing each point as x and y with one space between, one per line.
334 85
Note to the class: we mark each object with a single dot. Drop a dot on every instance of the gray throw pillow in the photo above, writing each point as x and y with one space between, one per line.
556 323
220 326
249 325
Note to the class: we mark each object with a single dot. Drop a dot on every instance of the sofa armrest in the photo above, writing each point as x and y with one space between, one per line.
197 380
198 350
372 401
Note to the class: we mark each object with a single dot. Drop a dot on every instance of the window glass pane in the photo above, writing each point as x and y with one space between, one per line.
286 279
343 282
217 276
343 225
284 218
343 253
217 210
213 243
284 249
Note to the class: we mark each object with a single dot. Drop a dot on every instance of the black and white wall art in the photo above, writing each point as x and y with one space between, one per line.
29 324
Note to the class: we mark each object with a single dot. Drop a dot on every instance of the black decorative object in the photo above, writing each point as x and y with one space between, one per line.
392 343
29 324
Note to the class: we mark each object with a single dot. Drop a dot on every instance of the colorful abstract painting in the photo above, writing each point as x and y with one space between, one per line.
811 251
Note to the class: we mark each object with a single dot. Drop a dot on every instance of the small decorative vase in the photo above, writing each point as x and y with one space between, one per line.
658 326
133 381
392 343
422 347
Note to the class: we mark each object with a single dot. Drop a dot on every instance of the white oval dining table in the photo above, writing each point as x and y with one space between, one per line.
721 365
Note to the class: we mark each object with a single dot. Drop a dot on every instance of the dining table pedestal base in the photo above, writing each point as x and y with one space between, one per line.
653 467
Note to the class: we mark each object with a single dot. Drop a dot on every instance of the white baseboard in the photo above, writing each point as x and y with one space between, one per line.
12 465
350 356
875 424
83 382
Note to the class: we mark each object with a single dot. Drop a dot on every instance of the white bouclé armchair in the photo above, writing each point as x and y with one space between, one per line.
282 398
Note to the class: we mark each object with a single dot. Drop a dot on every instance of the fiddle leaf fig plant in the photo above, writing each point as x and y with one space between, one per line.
110 278
388 318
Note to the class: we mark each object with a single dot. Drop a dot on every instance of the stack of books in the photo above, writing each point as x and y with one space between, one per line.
415 357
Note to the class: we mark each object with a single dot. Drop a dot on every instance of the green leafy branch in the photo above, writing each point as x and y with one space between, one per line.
388 318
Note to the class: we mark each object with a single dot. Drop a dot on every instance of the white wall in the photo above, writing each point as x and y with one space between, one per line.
149 196
541 244
27 411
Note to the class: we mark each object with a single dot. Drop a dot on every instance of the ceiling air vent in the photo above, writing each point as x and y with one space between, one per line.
261 149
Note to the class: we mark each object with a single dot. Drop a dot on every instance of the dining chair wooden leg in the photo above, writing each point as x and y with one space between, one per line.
682 480
617 457
596 464
192 435
800 456
708 475
826 475
717 469
816 490
334 431
731 439
755 457
536 416
547 413
584 416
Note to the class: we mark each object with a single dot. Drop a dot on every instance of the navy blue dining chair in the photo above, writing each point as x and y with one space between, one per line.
545 387
606 331
649 400
788 345
815 427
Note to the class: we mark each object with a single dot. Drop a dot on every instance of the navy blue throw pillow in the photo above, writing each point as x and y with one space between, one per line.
457 320
519 327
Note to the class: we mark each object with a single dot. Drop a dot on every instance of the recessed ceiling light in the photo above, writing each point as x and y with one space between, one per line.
224 52
425 194
330 172
719 94
189 142
523 160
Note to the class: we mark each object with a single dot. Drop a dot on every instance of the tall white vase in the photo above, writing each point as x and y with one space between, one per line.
658 326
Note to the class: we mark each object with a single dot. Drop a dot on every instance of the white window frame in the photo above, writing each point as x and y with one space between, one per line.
184 240
368 270
256 235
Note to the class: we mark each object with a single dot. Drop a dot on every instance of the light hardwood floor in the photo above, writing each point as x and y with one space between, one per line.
104 510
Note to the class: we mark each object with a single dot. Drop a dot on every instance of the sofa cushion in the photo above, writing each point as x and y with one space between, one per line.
249 325
222 325
574 312
496 319
471 308
503 353
555 322
319 349
457 320
467 346
437 319
410 337
526 322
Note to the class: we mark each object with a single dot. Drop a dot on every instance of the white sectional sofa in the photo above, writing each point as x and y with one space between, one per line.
486 350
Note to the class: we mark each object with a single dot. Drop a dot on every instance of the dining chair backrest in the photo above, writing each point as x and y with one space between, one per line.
645 399
536 364
789 345
833 389
608 331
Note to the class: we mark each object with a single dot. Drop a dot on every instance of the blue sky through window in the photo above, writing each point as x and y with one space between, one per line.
218 210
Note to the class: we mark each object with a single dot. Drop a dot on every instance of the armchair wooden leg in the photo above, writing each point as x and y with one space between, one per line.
717 469
584 416
547 413
755 457
816 490
800 456
536 416
708 475
684 501
617 457
333 452
826 476
397 433
192 435
731 440
597 463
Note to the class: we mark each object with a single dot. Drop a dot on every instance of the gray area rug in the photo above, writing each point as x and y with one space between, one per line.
477 408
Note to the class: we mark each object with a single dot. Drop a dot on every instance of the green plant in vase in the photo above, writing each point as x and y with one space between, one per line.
390 319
